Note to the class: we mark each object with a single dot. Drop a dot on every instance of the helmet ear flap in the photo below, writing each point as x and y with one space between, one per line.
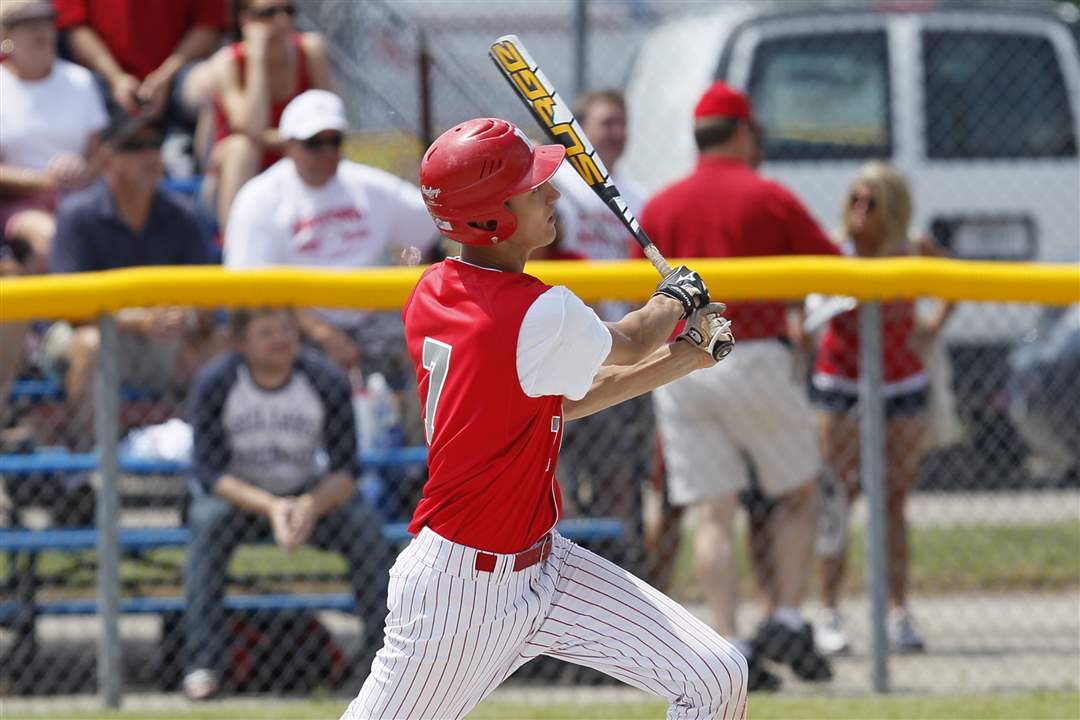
500 225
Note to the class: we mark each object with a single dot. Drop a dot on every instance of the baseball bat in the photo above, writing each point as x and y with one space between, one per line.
555 116
557 119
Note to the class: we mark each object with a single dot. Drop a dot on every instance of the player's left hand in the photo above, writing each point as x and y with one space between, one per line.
686 286
708 330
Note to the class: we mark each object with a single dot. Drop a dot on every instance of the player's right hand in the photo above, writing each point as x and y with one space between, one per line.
686 286
709 331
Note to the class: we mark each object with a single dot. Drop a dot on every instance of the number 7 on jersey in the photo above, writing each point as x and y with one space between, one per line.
436 360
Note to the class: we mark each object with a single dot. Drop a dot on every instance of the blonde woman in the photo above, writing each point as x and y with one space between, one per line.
876 220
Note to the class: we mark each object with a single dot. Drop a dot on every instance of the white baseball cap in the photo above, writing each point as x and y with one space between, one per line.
311 113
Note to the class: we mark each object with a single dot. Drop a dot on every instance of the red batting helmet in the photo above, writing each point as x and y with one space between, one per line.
470 170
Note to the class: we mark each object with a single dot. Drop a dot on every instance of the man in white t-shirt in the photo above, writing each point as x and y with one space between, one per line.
51 117
612 449
587 225
314 208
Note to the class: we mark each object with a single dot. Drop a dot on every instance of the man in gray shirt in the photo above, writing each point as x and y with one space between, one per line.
260 418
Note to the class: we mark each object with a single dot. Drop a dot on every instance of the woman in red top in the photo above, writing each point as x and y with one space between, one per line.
255 79
876 218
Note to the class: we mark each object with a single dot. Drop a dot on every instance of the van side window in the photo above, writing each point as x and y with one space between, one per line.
994 95
823 97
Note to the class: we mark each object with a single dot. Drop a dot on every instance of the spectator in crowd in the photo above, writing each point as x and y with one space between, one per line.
52 118
876 221
141 50
251 82
753 406
12 339
587 224
315 209
260 415
609 449
126 220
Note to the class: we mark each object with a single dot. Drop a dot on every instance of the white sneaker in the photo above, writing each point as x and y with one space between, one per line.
829 635
200 684
902 633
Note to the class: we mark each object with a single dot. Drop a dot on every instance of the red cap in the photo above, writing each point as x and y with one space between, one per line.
721 100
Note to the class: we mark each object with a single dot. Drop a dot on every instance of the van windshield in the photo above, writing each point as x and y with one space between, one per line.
994 95
823 96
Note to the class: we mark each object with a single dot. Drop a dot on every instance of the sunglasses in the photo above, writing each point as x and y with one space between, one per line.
139 144
268 12
316 143
862 199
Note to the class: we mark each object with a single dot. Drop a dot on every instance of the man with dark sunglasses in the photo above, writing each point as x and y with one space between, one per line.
314 208
127 220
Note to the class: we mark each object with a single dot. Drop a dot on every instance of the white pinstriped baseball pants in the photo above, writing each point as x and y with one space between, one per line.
453 634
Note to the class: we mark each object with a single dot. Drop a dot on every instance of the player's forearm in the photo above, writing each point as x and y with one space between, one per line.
332 492
197 43
253 104
642 331
90 50
244 495
615 384
16 181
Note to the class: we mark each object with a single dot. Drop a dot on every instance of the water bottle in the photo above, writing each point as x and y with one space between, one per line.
378 425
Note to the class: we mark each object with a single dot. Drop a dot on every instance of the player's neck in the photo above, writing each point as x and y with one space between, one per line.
503 257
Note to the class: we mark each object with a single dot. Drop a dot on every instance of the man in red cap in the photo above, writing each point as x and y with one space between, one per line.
503 361
744 425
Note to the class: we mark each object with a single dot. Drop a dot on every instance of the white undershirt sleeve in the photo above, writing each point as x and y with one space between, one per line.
561 345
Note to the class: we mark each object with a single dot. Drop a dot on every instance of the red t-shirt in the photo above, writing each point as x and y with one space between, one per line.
140 34
836 366
492 450
725 209
222 129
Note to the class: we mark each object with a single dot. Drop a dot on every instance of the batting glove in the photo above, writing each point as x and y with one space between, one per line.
709 331
686 286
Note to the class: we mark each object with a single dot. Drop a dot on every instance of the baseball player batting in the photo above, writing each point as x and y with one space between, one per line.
503 361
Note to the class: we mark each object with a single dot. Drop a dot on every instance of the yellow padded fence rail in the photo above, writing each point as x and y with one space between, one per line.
87 295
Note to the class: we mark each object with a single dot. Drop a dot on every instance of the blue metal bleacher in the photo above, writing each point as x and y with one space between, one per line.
61 462
136 540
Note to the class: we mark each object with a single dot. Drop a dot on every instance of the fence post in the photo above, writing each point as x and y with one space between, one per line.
106 437
427 123
872 453
581 48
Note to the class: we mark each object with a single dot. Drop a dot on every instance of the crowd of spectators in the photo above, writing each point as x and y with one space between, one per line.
81 166
81 171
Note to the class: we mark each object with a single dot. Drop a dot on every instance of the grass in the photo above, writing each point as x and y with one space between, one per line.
1033 706
984 558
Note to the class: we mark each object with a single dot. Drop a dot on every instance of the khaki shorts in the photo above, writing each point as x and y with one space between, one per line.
748 407
141 362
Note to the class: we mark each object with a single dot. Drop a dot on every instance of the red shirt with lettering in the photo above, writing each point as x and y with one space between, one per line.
492 450
724 208
140 34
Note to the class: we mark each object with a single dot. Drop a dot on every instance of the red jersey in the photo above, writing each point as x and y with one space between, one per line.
492 450
140 34
837 364
725 209
277 107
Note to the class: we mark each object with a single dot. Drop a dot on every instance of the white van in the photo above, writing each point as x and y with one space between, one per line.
977 103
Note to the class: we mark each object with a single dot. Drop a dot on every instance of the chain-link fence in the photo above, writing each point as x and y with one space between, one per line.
738 493
227 579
